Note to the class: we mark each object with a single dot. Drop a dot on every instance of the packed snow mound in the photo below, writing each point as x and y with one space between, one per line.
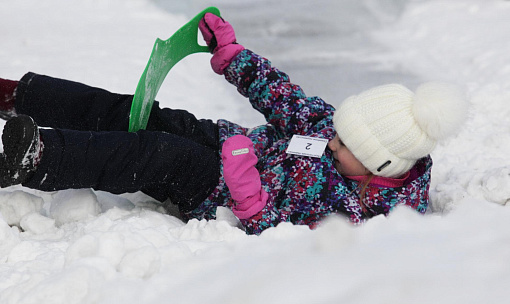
17 204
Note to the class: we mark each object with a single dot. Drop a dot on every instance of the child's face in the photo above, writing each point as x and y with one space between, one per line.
345 162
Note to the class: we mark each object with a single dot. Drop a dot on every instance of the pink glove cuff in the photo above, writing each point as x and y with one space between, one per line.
251 206
224 56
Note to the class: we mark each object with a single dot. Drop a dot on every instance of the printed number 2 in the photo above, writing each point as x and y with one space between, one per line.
308 145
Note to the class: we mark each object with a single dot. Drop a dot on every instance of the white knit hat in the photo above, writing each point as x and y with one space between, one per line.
388 128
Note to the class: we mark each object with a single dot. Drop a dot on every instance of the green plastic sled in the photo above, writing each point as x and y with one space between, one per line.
165 54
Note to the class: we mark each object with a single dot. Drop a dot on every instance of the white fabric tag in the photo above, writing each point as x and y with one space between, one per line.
240 151
307 146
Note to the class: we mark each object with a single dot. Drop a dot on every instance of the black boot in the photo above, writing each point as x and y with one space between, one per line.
22 150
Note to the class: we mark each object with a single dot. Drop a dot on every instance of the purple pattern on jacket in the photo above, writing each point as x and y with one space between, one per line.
302 190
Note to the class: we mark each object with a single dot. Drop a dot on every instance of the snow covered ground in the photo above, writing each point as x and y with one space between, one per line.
80 246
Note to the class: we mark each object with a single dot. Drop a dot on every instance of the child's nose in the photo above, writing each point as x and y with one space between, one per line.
330 145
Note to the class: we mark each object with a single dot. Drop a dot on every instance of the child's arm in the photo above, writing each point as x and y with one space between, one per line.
270 91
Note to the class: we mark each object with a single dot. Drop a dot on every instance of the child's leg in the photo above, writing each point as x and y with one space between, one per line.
184 124
161 165
65 104
60 103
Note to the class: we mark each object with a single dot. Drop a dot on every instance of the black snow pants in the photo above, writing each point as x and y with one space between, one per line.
86 144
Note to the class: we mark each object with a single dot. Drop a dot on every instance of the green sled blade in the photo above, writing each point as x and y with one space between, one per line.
165 54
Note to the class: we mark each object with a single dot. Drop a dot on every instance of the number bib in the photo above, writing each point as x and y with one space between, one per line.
307 146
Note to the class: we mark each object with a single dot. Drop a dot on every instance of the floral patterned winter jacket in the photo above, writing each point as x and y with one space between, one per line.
302 190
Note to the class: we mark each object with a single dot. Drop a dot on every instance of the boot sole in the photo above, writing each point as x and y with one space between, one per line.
19 136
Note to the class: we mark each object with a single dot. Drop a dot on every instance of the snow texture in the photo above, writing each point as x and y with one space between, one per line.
82 246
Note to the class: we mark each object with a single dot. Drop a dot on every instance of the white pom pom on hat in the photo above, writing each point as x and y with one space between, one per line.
388 128
439 109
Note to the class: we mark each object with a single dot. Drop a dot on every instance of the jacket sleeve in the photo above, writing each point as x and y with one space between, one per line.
268 217
270 91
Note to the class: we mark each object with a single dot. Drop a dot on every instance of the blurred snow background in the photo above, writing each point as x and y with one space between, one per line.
80 246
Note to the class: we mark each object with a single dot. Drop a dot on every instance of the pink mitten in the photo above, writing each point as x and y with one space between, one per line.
221 40
241 176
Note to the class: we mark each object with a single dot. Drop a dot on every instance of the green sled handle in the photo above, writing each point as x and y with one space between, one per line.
165 54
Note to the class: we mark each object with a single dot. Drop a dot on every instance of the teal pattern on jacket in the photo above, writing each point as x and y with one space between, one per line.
302 190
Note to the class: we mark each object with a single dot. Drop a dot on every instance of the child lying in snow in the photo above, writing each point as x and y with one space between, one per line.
377 154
